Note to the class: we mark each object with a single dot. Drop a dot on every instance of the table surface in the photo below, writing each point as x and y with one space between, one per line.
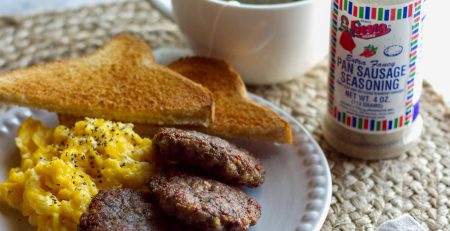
365 193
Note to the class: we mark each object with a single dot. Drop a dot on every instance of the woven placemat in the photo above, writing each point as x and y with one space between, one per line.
365 193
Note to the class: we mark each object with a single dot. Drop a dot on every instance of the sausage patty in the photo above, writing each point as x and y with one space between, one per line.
211 154
204 203
123 210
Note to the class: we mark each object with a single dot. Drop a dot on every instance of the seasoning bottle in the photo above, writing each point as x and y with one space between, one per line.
374 84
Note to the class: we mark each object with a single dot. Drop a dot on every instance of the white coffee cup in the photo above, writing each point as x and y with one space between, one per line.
266 43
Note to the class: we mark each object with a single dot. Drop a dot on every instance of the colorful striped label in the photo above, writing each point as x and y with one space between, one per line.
373 65
372 125
376 13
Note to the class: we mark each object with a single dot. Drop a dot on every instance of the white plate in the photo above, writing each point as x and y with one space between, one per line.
295 196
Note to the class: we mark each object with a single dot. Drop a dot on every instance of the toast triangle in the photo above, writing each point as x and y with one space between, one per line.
119 81
236 115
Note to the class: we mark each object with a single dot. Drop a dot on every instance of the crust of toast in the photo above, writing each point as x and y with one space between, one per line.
236 116
119 81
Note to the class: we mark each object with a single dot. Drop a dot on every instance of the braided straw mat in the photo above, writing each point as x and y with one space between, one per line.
365 193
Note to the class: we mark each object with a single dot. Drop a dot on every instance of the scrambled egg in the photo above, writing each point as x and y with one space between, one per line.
63 168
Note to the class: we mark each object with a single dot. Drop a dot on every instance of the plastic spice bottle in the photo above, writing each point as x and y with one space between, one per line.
374 84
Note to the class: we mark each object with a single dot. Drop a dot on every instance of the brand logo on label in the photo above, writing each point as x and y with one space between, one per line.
369 31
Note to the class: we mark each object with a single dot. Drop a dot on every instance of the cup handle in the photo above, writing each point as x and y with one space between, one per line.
165 7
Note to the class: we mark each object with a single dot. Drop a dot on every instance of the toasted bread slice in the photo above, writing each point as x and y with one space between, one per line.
119 81
236 116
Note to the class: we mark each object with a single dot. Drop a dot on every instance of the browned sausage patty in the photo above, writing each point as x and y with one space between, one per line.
211 154
124 210
204 203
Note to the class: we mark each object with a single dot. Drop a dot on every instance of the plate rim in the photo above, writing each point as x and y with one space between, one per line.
327 172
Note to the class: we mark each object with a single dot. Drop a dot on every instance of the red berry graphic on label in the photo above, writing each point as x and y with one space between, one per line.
347 42
369 51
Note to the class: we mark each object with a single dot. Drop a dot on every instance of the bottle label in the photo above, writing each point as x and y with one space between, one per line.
373 85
